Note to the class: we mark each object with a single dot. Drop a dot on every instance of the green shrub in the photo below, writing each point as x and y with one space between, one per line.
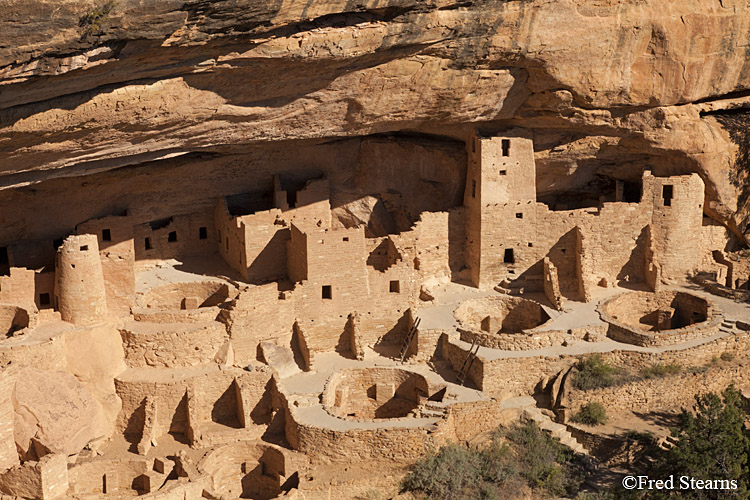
727 356
593 373
523 454
92 21
544 462
458 472
591 414
658 370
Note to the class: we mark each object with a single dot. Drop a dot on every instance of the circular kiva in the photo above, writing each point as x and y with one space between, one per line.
374 393
12 319
661 318
184 296
501 314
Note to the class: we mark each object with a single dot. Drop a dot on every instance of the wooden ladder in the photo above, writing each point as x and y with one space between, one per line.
470 356
409 339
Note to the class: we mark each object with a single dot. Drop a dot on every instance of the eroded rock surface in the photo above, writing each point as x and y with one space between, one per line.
54 413
607 88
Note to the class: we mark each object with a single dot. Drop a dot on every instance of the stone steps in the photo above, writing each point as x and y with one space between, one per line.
728 326
559 431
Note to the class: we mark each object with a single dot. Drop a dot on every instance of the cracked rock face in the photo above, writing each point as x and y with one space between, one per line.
607 87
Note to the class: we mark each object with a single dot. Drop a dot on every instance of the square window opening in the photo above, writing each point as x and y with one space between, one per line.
531 244
203 233
172 236
106 235
84 248
667 193
327 293
509 257
519 215
346 238
395 286
506 147
44 299
503 172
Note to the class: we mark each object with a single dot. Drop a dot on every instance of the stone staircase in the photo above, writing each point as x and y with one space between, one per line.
728 326
432 409
543 418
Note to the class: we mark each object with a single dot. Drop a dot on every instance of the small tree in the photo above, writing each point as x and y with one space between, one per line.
712 444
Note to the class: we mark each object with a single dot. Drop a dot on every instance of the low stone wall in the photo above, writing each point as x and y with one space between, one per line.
468 420
171 345
200 315
188 295
722 291
659 394
26 350
324 445
738 345
531 339
630 334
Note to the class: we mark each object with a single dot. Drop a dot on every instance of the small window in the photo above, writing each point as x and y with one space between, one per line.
519 215
4 261
509 258
503 172
43 299
84 248
326 292
563 250
147 244
203 233
395 286
531 244
667 193
106 235
506 147
473 189
346 238
57 243
172 236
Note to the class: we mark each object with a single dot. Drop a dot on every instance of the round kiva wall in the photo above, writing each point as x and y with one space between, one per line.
662 318
374 393
501 314
189 295
12 319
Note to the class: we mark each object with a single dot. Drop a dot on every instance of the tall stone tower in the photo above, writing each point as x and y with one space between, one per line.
79 281
677 211
500 201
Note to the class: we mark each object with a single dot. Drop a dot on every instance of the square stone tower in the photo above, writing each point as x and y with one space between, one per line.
500 201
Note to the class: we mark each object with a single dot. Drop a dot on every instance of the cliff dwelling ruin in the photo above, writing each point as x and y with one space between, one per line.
236 346
287 250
